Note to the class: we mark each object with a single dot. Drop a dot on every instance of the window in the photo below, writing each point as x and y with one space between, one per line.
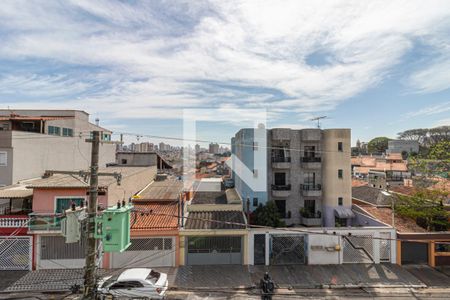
54 130
310 206
340 147
67 132
340 201
309 178
338 222
340 173
280 178
63 204
281 205
106 137
126 285
124 161
3 158
309 151
255 201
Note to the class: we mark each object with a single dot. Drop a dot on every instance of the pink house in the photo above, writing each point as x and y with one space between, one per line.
54 194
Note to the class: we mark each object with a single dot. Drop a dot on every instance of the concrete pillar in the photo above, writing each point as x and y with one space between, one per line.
267 249
399 252
431 254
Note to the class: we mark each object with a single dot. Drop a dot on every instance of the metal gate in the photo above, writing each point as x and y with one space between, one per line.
217 250
358 249
15 253
288 250
146 252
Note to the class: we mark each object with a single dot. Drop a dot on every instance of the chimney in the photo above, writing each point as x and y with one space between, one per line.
97 121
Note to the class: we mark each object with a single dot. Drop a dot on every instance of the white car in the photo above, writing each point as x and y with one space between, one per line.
142 283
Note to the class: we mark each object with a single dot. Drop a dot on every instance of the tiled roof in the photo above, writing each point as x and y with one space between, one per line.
15 191
74 181
155 216
168 189
371 195
402 224
356 182
215 220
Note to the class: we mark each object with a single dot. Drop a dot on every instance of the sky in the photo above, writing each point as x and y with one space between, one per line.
377 67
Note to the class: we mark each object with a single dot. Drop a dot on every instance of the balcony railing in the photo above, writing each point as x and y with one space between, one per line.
307 159
13 221
286 187
281 159
45 222
311 187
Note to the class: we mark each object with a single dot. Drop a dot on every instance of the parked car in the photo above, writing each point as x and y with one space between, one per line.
143 283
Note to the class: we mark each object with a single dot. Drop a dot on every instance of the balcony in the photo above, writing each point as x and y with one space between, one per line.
281 191
13 221
45 222
311 221
311 190
281 162
311 162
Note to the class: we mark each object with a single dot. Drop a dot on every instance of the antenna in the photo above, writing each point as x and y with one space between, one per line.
318 120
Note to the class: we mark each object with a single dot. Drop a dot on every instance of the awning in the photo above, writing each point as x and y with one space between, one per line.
343 212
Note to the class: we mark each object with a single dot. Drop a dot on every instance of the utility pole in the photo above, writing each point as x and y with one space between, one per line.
90 268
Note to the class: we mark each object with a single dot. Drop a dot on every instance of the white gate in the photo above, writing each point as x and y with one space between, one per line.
146 252
16 252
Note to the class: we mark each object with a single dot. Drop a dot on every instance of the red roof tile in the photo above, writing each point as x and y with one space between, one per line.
155 216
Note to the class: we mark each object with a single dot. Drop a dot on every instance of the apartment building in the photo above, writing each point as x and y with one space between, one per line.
32 141
307 174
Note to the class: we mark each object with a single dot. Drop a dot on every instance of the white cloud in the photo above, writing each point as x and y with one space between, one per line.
162 57
430 110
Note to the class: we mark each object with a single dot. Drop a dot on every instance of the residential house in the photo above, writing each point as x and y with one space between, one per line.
140 159
394 168
215 227
155 224
32 141
306 172
54 194
414 245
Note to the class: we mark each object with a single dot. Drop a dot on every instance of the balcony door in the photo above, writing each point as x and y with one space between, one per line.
280 178
63 204
309 178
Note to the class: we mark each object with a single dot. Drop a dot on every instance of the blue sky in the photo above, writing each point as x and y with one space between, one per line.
378 67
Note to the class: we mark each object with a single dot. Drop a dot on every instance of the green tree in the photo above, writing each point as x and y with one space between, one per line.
426 208
441 151
267 215
378 145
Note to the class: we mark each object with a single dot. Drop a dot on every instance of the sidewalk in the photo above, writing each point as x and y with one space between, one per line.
236 277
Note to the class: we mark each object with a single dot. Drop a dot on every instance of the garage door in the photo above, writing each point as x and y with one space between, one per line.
15 253
218 250
146 252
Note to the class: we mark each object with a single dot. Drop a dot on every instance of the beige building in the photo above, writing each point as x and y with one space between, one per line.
32 141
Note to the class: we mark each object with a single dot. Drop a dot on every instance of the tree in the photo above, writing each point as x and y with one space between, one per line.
441 150
378 145
426 208
267 215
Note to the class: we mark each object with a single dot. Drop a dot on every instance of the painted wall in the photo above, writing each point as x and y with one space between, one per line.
44 200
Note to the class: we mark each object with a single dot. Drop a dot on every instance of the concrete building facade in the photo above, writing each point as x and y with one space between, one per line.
400 146
32 141
308 174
